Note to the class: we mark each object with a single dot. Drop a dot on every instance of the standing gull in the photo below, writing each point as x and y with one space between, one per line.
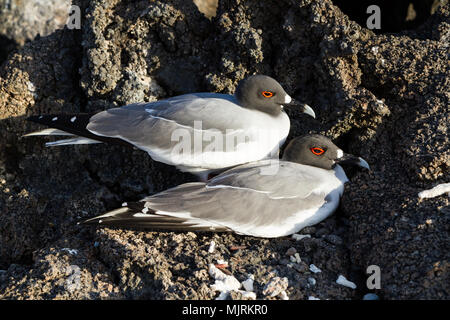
198 133
304 190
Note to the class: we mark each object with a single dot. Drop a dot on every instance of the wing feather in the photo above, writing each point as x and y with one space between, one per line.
171 131
245 201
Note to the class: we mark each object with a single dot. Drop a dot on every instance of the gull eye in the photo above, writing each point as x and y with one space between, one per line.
317 151
267 94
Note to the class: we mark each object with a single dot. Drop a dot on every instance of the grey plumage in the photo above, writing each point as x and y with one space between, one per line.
248 126
248 200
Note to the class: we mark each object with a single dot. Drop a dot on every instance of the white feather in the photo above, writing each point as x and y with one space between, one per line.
110 214
79 140
49 132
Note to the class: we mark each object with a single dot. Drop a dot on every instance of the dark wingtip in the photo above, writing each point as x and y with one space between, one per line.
41 119
32 118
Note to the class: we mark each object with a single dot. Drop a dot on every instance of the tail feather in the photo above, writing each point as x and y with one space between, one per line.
70 124
48 132
65 142
137 215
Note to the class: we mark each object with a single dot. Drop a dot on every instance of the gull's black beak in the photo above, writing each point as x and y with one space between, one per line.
304 107
353 160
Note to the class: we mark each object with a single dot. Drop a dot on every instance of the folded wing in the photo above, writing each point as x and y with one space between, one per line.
193 130
260 206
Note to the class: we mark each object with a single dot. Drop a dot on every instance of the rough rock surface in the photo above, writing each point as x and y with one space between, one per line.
384 97
207 7
22 21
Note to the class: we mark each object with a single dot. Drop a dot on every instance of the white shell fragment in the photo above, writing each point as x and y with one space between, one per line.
299 237
283 295
223 283
212 247
275 286
248 284
223 262
436 191
314 269
73 281
71 251
344 282
295 258
248 294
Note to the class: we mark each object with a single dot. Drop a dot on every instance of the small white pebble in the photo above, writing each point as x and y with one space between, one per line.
212 247
283 295
344 282
55 118
223 282
248 284
312 281
314 269
248 295
295 258
313 298
73 119
124 204
216 273
31 86
40 117
299 237
71 251
274 287
220 261
375 50
436 191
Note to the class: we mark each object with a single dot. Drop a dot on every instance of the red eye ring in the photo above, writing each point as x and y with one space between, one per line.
267 94
317 151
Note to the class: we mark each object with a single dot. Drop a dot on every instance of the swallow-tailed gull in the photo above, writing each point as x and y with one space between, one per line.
304 190
198 132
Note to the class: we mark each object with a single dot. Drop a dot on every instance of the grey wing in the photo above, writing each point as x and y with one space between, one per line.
158 127
276 178
265 206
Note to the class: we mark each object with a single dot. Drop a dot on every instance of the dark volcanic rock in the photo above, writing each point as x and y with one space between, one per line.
383 97
22 21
